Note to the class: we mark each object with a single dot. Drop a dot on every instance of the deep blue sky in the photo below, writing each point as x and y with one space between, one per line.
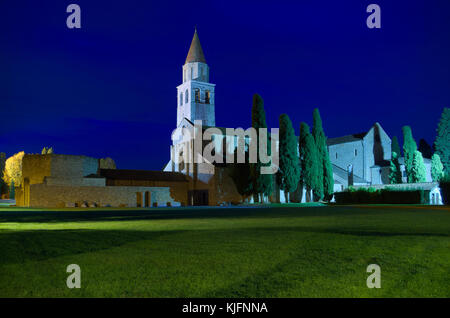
109 89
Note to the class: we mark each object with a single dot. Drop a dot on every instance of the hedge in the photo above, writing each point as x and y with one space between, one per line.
382 196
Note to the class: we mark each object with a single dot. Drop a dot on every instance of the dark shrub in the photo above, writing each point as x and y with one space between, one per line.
386 196
444 184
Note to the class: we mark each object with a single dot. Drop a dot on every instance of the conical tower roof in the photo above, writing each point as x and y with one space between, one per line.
195 51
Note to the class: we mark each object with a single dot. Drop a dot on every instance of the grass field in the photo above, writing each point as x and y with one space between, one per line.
278 251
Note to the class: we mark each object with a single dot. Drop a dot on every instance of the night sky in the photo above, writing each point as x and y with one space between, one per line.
109 88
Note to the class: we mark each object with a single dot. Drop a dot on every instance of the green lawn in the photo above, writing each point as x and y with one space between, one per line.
280 251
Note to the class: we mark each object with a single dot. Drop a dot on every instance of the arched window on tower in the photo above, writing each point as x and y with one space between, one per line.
197 95
186 96
207 97
181 98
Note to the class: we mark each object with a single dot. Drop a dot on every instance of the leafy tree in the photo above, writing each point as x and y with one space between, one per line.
289 172
395 147
262 183
409 149
308 159
418 172
44 151
107 163
437 168
50 150
2 169
13 169
325 174
395 173
12 191
442 142
425 149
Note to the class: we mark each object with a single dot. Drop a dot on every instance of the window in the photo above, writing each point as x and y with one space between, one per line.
356 152
336 155
181 98
207 97
186 96
192 73
197 95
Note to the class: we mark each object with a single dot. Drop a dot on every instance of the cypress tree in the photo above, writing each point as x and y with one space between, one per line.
418 173
442 142
308 159
395 173
437 168
44 151
241 175
395 147
325 175
328 179
262 183
289 173
409 148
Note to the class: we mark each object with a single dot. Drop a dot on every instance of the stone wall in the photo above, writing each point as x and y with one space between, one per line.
37 167
96 182
377 149
42 195
373 149
350 153
65 166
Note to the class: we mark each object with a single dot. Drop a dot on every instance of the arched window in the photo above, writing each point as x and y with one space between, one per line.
186 96
181 98
197 95
207 97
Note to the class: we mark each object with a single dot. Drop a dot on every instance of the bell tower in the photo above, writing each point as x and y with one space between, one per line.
196 94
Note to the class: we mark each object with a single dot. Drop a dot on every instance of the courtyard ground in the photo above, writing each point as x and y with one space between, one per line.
269 251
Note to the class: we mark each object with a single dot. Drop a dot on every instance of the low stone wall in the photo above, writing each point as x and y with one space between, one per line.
42 195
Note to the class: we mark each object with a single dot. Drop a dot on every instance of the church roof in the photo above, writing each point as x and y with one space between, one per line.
195 53
345 139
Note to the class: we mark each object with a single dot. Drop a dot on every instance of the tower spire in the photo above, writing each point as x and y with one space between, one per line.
195 53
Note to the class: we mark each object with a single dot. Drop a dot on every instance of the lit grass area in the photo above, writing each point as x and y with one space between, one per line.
271 251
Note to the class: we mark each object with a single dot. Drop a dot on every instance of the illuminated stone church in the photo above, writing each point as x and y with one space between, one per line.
360 159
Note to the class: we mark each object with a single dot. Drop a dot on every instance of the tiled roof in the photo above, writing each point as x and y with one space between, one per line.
345 139
147 175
